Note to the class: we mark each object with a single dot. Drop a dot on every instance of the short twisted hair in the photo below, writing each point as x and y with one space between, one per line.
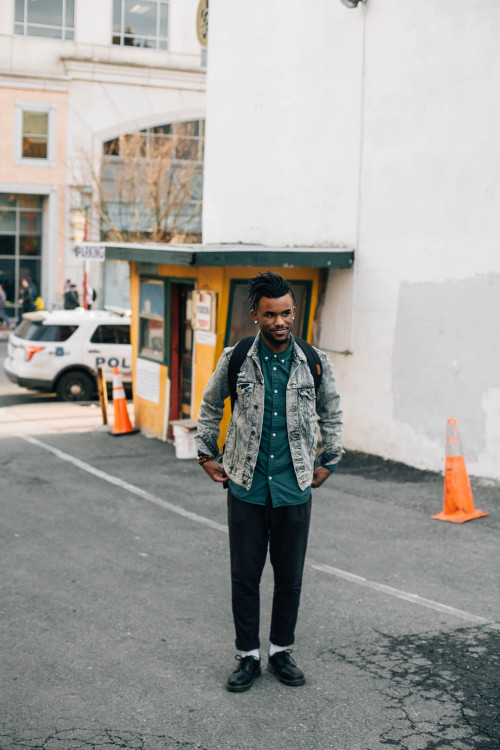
270 285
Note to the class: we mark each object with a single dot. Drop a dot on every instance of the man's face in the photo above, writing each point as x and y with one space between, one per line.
274 317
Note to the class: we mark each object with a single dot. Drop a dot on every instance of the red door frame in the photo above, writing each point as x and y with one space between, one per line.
174 374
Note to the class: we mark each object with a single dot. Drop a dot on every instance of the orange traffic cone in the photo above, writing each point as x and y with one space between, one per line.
458 503
121 424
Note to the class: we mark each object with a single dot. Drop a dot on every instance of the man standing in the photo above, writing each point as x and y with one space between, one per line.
270 465
26 300
3 301
71 300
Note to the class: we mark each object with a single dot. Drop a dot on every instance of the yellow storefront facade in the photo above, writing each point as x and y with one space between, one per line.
190 301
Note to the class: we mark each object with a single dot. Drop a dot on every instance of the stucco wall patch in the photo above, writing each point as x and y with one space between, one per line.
446 357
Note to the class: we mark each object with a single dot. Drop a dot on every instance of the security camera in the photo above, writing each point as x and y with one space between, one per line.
352 3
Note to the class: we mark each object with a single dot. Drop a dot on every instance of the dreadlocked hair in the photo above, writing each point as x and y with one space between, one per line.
270 285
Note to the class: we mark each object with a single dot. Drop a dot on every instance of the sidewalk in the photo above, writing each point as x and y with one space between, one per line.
55 418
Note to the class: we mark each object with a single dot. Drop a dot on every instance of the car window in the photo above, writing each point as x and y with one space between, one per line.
116 333
36 331
24 326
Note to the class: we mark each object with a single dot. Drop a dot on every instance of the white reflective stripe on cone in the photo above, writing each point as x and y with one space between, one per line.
453 444
118 392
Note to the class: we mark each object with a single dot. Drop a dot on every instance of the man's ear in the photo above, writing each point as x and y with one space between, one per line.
253 315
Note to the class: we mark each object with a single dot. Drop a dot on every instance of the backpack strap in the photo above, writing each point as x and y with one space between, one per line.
241 349
235 361
313 361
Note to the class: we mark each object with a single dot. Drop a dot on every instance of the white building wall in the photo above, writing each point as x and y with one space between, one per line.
377 128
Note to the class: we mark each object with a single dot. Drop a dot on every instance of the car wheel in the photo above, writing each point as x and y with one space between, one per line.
75 386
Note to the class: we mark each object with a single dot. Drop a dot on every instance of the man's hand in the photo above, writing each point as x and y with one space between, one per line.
320 475
215 471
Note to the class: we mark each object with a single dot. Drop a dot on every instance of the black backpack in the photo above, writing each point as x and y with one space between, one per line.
240 352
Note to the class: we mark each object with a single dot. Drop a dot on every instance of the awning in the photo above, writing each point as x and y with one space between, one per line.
231 255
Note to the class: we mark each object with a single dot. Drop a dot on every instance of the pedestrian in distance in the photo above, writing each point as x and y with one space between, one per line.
71 299
27 301
4 318
33 287
281 390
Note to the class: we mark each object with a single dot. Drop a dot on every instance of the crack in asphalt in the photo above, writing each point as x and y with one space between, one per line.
91 739
441 690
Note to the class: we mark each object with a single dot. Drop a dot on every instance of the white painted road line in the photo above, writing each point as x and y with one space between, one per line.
329 570
413 598
125 485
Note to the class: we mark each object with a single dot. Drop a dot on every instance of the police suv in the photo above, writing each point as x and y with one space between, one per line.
61 350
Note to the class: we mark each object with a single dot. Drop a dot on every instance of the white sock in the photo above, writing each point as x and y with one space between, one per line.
274 649
255 653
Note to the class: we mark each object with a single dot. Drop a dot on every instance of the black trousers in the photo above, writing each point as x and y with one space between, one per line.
252 529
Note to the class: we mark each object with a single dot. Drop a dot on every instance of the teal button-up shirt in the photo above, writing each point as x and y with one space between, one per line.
274 472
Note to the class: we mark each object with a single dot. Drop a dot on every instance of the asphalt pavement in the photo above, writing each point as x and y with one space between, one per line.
116 624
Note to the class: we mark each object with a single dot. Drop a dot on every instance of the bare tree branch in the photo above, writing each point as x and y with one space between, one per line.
148 187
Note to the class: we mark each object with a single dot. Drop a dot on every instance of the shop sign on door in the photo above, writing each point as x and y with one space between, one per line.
204 310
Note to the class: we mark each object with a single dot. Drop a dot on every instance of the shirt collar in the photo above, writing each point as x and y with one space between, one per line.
283 356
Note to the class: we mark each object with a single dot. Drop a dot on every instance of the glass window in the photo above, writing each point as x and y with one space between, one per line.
152 320
240 323
20 245
115 288
140 23
29 245
35 135
8 281
7 200
170 156
7 220
53 19
23 327
35 331
30 232
185 139
111 334
7 245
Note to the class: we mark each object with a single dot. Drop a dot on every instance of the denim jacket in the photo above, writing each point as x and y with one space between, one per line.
305 412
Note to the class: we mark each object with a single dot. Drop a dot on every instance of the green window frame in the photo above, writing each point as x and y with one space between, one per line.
152 320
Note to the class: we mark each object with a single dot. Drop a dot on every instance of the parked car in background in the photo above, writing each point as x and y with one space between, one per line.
59 351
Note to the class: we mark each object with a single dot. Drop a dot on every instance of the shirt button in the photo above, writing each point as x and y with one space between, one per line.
266 357
270 478
272 455
275 413
274 368
283 361
276 391
274 434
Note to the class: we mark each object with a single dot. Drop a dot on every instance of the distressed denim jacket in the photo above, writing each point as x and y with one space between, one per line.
305 412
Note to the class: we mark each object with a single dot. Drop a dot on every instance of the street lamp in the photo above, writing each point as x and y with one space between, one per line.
352 3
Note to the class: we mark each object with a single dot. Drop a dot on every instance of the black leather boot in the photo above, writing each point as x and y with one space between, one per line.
242 678
283 666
